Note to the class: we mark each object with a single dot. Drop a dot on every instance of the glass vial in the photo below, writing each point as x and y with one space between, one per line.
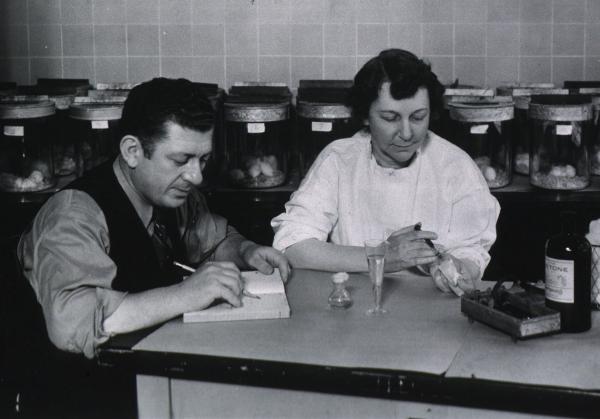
568 276
340 296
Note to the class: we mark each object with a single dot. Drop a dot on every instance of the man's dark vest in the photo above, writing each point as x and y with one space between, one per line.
131 248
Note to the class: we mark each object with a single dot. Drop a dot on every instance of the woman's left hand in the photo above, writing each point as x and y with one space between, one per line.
451 274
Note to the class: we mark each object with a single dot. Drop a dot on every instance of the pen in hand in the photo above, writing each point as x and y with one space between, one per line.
428 241
192 270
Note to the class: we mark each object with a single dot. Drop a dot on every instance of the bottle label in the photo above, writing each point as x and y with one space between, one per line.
317 126
560 280
14 131
99 124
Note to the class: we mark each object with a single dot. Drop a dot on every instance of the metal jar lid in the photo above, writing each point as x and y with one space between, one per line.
468 97
96 111
508 90
561 108
483 112
254 112
313 110
522 97
468 91
26 109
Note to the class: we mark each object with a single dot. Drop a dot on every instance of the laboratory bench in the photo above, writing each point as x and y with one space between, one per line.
421 359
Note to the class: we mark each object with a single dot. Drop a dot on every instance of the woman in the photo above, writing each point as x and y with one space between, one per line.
385 180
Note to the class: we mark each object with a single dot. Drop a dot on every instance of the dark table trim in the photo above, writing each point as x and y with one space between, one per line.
374 383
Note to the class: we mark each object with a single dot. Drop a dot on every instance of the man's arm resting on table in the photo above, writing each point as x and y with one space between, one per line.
144 309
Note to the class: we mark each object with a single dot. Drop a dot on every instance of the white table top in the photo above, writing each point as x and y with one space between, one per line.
424 331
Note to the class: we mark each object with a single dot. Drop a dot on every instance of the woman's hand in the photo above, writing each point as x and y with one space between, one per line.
451 274
407 248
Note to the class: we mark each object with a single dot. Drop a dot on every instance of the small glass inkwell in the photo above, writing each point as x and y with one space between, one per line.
340 296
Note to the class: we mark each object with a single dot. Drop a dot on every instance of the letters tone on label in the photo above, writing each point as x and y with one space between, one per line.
560 279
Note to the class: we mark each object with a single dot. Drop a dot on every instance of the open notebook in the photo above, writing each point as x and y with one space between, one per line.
272 304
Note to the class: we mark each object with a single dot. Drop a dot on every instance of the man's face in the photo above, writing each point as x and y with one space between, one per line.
175 167
398 127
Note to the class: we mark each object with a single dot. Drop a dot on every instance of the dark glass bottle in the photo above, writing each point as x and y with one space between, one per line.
568 276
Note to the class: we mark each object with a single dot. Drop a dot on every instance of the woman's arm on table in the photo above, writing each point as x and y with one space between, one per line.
320 255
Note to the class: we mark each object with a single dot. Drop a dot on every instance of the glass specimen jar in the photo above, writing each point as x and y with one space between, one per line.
485 131
522 144
256 143
26 163
94 126
561 129
444 126
64 151
318 125
215 95
594 93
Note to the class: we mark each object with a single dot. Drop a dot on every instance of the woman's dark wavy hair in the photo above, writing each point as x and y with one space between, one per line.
406 73
150 105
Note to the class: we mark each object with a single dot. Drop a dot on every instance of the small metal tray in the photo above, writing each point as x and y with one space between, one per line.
517 311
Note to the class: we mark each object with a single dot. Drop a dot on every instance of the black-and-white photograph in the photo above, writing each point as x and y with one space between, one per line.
297 209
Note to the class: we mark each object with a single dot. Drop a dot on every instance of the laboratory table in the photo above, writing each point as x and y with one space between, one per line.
424 358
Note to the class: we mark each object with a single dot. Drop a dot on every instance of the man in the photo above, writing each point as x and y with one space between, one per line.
100 254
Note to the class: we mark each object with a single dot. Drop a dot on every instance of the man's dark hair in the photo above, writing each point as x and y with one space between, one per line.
150 105
406 74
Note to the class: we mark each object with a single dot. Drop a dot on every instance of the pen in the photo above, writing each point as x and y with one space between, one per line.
192 270
427 241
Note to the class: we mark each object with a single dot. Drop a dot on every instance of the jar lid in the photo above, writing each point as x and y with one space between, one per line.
26 109
561 107
468 91
475 99
254 112
482 112
589 91
508 89
522 97
313 110
96 111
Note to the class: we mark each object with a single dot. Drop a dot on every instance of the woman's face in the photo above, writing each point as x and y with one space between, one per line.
398 127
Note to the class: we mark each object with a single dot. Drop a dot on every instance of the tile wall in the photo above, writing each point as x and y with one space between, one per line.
483 42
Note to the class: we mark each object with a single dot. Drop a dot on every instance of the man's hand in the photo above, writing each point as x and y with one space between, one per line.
265 259
213 281
407 248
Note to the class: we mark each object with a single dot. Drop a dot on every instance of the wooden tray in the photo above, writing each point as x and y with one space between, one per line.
519 313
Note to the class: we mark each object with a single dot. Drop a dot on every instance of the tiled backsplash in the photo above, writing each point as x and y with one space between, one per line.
483 42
